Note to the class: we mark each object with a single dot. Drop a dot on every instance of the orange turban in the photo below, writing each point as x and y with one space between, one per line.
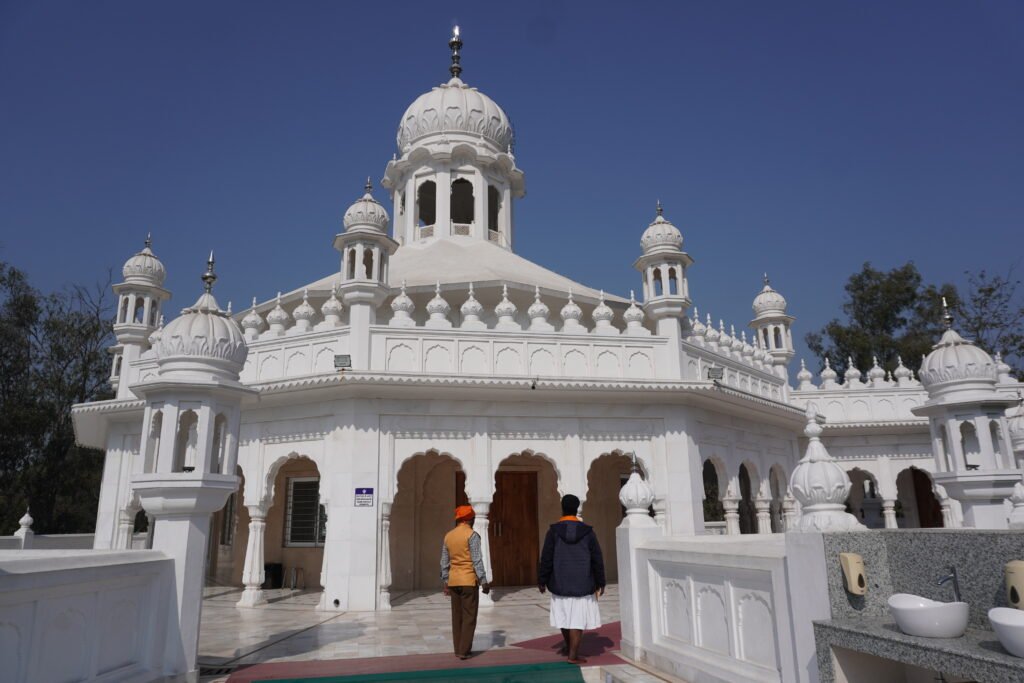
464 512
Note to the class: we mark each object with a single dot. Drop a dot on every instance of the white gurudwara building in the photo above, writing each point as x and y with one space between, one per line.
435 366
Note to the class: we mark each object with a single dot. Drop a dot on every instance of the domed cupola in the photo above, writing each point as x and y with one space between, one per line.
144 267
455 111
204 342
773 326
663 268
455 174
366 213
661 235
956 365
768 301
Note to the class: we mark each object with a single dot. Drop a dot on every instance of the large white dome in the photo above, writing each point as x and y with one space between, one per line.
455 110
956 364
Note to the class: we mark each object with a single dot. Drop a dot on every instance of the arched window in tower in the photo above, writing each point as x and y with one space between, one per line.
426 203
153 441
351 274
220 437
778 338
122 316
367 264
117 364
462 202
658 285
673 282
401 203
140 311
154 313
997 441
970 445
186 442
764 334
493 208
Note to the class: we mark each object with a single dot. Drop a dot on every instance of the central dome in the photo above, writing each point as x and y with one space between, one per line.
455 110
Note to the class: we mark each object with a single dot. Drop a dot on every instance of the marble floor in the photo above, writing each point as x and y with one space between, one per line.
289 628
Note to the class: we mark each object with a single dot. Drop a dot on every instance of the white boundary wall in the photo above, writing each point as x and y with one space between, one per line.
84 615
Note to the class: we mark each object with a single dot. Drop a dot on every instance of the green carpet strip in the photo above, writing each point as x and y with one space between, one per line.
553 672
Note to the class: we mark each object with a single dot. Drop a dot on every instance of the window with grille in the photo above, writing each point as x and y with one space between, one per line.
305 521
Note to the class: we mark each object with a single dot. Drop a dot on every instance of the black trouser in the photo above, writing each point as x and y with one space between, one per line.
465 600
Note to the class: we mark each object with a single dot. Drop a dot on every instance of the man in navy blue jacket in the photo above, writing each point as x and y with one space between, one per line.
572 568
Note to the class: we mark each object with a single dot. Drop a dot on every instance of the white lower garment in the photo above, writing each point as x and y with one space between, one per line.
576 613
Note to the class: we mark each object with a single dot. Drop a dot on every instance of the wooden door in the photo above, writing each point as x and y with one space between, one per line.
515 545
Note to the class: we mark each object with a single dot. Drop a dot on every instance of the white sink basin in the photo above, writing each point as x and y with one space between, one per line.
917 616
1008 624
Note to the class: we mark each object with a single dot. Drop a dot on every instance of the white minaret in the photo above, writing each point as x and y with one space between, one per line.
971 440
139 299
365 250
456 175
666 292
190 449
772 326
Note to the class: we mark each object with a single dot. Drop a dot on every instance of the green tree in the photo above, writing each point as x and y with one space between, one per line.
992 315
889 314
53 354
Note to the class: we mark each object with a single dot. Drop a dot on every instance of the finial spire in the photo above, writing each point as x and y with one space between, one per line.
209 277
767 282
658 209
456 45
368 186
947 317
149 240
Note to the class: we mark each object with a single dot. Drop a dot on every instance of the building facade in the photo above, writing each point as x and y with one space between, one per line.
436 366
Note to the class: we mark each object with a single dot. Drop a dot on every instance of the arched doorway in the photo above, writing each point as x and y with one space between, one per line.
747 511
919 507
296 526
602 509
864 501
526 502
430 485
714 511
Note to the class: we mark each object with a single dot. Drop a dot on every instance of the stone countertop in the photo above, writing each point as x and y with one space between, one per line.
977 655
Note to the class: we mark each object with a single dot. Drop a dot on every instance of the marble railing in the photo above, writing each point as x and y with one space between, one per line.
739 373
871 403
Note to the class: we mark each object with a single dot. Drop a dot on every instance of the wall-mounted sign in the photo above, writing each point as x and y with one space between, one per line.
716 373
342 361
364 498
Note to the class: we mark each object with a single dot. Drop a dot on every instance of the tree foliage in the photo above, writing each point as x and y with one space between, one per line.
890 315
896 314
53 354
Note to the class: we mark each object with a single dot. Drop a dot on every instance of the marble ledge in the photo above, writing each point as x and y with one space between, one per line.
977 655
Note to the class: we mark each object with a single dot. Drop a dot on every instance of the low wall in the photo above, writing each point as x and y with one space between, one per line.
727 609
85 615
62 542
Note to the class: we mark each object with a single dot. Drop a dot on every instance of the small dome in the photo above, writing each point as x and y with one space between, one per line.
538 309
737 343
145 268
828 374
852 375
403 302
602 312
748 350
366 213
902 372
277 315
304 311
571 311
438 307
804 376
635 315
876 372
154 338
956 363
661 235
505 308
712 335
453 111
252 320
204 339
697 326
768 301
471 308
332 306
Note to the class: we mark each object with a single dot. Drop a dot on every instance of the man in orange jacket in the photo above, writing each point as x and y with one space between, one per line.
462 573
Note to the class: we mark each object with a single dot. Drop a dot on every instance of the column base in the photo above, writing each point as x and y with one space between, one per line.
251 597
384 601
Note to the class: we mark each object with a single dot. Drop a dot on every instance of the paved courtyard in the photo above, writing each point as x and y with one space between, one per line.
290 629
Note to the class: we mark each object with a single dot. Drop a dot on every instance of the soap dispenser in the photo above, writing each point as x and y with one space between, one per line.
853 573
1015 583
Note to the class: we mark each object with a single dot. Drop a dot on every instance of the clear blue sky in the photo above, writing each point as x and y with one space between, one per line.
801 138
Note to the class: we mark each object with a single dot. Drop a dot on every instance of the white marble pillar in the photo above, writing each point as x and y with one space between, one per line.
125 528
384 564
482 508
789 513
252 575
889 513
764 515
732 516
